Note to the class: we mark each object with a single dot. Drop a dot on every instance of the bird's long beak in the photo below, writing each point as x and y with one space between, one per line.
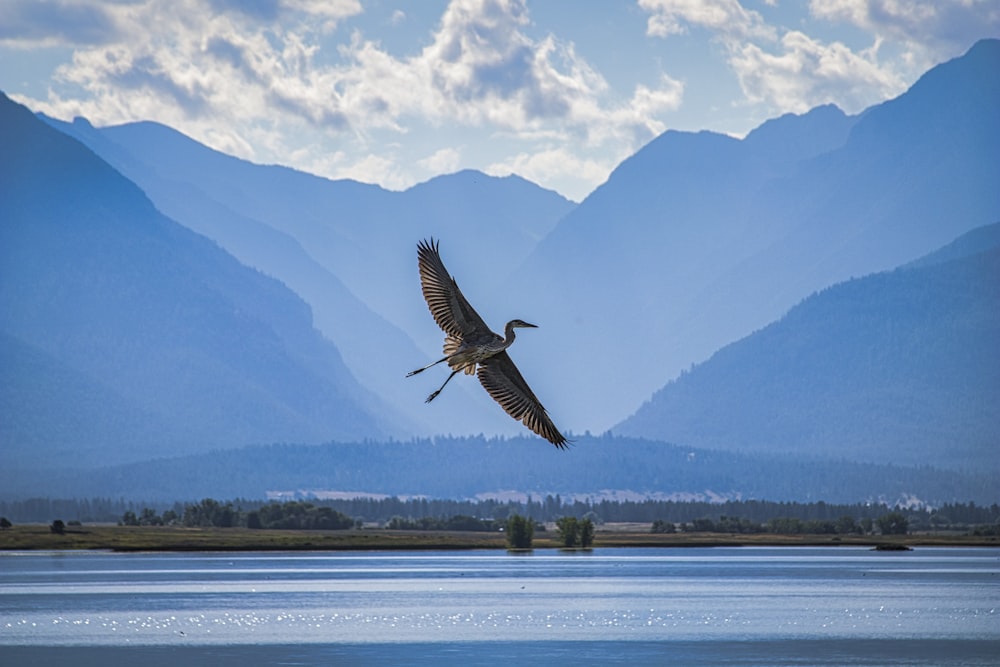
532 326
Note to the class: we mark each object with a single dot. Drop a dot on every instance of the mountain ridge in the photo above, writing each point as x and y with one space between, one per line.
94 277
699 239
224 198
693 243
883 368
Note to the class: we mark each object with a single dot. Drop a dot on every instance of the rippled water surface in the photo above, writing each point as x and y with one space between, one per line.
733 606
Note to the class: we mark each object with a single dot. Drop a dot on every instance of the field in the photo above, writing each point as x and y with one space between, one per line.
174 538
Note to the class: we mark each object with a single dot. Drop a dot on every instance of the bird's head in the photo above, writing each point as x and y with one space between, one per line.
521 324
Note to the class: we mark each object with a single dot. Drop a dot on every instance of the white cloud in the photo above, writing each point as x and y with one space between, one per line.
647 103
298 82
382 169
482 69
780 68
931 23
928 31
224 59
559 168
442 161
671 17
806 73
189 61
259 80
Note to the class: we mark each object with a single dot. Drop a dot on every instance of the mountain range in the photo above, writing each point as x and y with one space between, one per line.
128 336
699 239
347 248
896 367
824 288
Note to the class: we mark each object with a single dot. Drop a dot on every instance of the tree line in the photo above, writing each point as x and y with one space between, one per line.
489 514
890 523
291 515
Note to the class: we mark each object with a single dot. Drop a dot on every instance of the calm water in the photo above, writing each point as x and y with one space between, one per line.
739 606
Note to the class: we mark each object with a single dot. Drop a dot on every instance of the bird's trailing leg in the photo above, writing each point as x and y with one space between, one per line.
421 370
434 395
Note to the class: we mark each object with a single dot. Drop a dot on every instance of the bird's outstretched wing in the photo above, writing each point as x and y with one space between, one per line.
501 379
450 309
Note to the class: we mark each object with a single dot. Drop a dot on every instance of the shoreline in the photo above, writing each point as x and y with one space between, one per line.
38 537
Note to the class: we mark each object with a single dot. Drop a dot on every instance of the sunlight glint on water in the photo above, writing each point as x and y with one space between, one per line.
662 597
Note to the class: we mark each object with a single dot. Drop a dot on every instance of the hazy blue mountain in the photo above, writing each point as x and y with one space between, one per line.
897 367
316 235
55 415
791 138
363 234
699 239
693 243
129 336
980 239
599 467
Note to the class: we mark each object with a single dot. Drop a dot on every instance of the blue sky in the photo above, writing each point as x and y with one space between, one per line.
396 92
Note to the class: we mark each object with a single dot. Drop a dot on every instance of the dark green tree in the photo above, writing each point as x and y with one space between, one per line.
210 512
520 532
661 526
702 525
58 527
5 523
846 525
785 526
149 517
893 523
586 533
569 531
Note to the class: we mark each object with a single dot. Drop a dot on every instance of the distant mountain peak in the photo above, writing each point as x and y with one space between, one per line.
817 131
474 177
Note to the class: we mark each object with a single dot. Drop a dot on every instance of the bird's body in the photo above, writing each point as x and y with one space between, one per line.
471 347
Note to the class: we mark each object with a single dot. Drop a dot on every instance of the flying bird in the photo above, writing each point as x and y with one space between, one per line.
470 346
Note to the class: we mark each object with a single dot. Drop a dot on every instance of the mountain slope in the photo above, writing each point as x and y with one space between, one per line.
103 288
897 367
699 239
317 236
350 227
90 414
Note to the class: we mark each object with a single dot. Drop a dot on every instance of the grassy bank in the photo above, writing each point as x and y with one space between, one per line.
173 538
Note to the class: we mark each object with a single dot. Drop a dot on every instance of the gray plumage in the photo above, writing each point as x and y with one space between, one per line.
470 346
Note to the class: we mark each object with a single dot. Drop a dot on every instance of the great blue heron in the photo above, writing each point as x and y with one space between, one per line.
469 343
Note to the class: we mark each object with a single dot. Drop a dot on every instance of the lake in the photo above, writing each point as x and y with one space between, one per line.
691 606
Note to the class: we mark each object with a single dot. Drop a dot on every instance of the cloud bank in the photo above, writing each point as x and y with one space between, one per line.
295 81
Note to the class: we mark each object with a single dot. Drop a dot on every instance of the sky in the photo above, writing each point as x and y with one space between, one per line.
397 92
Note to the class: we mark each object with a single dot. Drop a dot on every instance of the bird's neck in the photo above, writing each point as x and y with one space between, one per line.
508 335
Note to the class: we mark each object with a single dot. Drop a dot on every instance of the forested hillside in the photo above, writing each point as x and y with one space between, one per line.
898 367
612 467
